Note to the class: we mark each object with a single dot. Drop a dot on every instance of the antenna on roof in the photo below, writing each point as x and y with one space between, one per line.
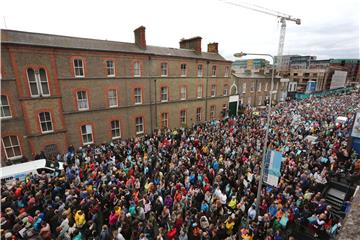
4 22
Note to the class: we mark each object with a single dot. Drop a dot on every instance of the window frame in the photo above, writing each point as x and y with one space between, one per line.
213 71
181 93
139 96
2 106
226 74
164 117
38 82
77 67
161 69
226 90
183 69
87 101
213 90
46 121
162 94
12 147
197 91
183 117
137 125
212 112
114 129
198 114
116 98
201 70
91 133
135 68
109 68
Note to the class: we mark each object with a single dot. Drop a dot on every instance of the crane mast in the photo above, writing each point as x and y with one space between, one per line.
283 18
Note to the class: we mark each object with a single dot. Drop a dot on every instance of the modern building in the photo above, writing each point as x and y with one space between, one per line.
59 91
301 62
253 89
283 68
303 76
253 65
351 66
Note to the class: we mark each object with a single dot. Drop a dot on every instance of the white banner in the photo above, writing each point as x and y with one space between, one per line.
356 128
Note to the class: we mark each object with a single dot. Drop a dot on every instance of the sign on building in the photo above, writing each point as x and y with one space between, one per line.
272 168
356 128
338 79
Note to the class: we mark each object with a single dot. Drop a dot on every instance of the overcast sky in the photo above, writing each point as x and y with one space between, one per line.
329 29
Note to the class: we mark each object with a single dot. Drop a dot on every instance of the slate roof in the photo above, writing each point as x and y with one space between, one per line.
57 41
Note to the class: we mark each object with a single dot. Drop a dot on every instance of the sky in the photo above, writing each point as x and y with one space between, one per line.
329 29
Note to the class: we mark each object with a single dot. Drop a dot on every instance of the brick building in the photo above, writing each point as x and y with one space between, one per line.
59 91
254 88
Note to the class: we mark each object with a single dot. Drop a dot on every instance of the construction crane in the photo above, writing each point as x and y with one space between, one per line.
282 19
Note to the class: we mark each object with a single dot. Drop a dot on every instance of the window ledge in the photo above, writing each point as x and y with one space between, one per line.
6 118
15 158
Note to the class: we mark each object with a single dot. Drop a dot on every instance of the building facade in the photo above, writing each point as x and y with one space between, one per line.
253 89
253 65
303 76
59 91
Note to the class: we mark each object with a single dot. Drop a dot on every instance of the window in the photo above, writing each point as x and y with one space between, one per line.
226 90
213 71
112 95
12 147
164 94
183 93
213 90
260 100
266 86
252 87
82 101
5 107
38 82
87 134
110 68
244 87
137 70
139 121
183 70
226 72
249 101
259 87
199 91
198 114
212 112
115 129
45 122
138 95
183 117
79 68
200 71
164 69
164 120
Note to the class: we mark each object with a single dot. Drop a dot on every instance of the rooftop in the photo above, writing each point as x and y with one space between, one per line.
67 42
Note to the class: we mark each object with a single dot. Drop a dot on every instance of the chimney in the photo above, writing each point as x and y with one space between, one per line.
140 40
191 43
213 47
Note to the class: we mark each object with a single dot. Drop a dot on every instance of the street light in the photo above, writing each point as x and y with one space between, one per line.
258 196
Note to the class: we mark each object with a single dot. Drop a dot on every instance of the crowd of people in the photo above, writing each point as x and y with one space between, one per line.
192 183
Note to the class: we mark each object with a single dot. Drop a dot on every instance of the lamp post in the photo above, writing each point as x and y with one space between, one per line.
258 196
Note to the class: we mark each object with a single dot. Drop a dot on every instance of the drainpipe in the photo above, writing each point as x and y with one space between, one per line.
150 95
206 88
156 120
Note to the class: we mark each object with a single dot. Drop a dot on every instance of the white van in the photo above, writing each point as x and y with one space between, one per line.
20 171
